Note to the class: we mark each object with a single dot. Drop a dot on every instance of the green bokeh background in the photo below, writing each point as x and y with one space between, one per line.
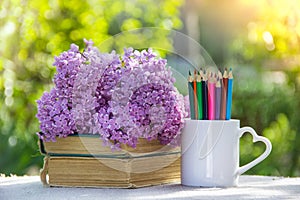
259 40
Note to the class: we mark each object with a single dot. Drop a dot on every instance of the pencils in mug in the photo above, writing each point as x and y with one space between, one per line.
210 95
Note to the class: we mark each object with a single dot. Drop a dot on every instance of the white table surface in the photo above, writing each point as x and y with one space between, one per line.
250 187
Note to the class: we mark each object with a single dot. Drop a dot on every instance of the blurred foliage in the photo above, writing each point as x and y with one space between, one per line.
32 32
271 98
274 33
268 108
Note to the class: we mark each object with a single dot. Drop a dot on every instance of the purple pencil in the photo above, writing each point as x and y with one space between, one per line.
218 99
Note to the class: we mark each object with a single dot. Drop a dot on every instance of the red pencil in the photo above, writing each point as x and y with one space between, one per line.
195 95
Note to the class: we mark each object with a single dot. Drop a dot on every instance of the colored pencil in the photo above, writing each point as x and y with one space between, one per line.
229 95
201 72
211 97
191 96
204 96
195 95
218 98
220 76
199 96
224 95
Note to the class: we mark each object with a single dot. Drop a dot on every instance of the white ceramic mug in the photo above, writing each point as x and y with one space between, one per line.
210 152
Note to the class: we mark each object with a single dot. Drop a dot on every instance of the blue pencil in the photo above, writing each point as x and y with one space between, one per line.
229 95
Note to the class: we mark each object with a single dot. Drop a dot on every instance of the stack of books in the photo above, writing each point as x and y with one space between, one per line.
82 161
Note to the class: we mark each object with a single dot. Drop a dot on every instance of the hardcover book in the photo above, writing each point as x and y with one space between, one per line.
82 161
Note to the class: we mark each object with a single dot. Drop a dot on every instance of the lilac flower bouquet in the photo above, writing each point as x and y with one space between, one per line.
119 97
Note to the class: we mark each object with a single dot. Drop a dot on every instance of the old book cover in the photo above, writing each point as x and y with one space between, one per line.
107 172
87 145
82 161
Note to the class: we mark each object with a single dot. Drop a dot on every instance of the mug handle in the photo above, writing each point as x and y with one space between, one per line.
256 138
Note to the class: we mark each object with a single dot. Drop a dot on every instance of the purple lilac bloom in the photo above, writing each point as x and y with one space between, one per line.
187 105
54 116
145 102
67 66
54 108
87 100
108 128
154 108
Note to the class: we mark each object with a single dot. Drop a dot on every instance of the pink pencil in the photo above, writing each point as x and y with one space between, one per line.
211 98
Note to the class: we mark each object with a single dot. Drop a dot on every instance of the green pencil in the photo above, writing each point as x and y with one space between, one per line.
199 96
